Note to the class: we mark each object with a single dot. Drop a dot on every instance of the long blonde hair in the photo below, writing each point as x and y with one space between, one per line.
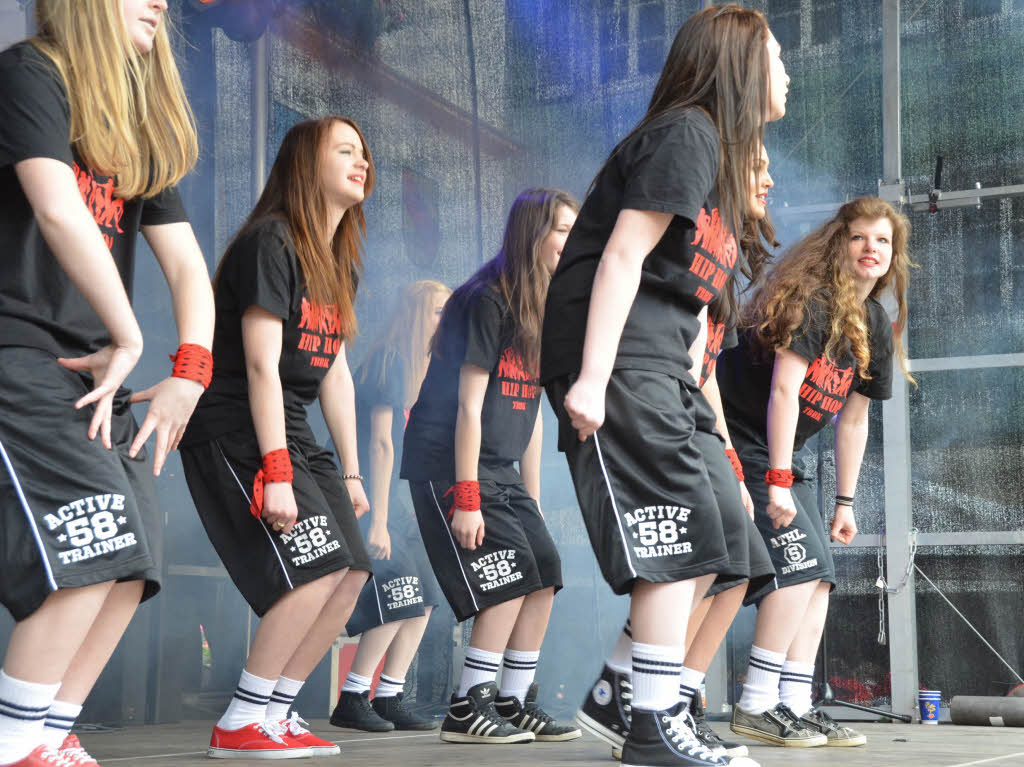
130 118
407 337
815 271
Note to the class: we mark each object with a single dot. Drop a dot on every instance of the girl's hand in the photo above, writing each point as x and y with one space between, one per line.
748 502
360 503
279 509
584 403
171 403
108 368
378 542
781 509
844 526
468 528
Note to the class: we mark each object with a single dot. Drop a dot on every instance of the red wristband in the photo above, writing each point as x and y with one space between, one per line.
467 496
277 467
734 459
193 362
779 477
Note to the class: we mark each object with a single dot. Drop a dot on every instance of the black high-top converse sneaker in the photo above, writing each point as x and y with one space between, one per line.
394 710
709 737
354 710
531 717
665 739
606 709
473 719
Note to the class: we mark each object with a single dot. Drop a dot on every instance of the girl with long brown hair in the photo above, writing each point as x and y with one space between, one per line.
395 605
655 243
95 132
476 415
271 499
818 347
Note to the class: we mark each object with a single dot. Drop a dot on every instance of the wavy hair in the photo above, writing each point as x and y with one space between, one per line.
815 272
130 118
516 273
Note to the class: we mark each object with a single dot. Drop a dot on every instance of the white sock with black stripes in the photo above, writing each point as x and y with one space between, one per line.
517 671
249 703
761 690
656 670
689 684
621 659
480 666
282 697
23 707
357 683
59 721
389 687
795 686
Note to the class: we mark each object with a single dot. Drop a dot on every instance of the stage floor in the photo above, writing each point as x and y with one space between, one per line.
889 745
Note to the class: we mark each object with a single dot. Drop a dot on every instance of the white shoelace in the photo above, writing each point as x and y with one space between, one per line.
77 756
681 730
58 759
274 731
294 724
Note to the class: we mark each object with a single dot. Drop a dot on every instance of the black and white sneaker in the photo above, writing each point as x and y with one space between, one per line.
777 726
473 719
354 710
817 720
709 737
665 739
531 717
393 709
606 709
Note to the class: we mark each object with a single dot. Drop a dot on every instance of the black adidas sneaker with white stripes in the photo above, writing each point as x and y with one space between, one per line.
473 719
531 717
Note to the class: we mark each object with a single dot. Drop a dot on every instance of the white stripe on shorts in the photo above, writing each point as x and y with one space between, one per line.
28 514
262 526
615 506
454 546
380 612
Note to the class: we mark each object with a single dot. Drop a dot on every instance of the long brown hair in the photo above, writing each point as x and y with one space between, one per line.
331 261
719 63
516 273
758 235
130 118
815 271
406 337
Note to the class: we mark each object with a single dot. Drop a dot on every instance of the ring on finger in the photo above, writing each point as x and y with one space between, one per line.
279 526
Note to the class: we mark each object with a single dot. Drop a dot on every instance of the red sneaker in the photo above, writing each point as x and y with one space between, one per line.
318 746
72 751
259 740
42 756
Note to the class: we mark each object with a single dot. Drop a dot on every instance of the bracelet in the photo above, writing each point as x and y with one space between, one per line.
277 467
193 362
779 477
734 459
466 496
352 476
844 500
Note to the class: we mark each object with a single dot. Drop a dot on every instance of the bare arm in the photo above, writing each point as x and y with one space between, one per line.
851 438
468 524
338 403
714 397
382 464
783 412
529 464
699 345
616 282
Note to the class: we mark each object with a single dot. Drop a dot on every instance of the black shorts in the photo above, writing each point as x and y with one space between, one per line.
641 482
518 555
800 551
402 586
74 513
264 564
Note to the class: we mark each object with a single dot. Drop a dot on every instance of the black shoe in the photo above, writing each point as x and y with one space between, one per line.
354 710
395 711
473 719
777 726
709 737
817 720
665 739
530 716
606 709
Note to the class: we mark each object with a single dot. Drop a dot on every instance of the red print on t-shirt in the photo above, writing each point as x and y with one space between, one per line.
716 335
715 255
99 198
320 328
825 388
515 381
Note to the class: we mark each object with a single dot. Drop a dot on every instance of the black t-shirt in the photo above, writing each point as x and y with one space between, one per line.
262 269
670 166
719 339
380 382
745 375
39 305
480 334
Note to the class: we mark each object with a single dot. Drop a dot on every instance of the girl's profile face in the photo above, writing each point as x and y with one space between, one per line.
550 250
869 249
437 308
760 183
142 19
778 80
343 166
